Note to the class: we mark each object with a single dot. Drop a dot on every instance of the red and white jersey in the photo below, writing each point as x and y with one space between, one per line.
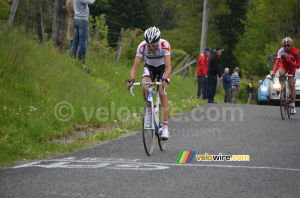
155 59
293 59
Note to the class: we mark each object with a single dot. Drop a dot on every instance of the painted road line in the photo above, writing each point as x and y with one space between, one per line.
127 164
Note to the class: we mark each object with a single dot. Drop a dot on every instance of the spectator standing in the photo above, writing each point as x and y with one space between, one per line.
212 73
250 90
81 28
235 84
202 71
227 85
70 22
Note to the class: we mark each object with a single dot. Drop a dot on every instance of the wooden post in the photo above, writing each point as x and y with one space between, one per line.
204 27
184 67
12 14
135 32
59 24
186 70
40 26
178 62
120 45
174 52
185 61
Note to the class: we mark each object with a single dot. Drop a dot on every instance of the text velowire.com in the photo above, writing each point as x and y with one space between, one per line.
221 157
188 156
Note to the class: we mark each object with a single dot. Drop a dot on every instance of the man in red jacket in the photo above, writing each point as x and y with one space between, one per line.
201 72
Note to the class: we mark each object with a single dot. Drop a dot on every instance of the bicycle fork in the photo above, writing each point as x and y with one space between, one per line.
154 109
149 124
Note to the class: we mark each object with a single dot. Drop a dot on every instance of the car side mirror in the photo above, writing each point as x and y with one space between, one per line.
260 81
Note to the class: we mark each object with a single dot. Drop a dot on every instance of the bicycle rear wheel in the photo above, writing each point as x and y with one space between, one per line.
271 61
283 106
162 143
148 134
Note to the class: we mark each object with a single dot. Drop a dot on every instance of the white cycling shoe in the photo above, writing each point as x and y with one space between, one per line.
293 110
165 134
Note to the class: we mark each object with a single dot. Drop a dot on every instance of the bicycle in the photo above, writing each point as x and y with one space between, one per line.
285 97
271 61
152 128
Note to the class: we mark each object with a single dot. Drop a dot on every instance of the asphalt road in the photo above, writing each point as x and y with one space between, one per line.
121 168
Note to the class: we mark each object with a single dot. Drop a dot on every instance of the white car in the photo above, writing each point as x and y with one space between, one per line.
297 85
273 88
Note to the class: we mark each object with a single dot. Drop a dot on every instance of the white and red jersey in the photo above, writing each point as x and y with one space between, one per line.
155 59
291 62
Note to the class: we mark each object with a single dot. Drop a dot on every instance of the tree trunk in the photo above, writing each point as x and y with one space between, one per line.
59 24
40 26
28 17
12 14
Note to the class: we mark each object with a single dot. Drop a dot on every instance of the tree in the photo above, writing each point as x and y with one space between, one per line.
267 23
12 14
187 21
231 27
125 13
59 24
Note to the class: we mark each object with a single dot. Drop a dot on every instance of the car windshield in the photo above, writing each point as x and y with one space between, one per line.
267 80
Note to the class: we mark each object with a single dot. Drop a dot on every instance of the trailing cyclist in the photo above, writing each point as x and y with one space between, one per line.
290 60
156 52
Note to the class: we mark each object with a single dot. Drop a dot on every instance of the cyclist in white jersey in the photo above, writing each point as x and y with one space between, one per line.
156 52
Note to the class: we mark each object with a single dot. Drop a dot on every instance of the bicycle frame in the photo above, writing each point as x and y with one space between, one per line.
285 97
151 92
285 81
151 129
155 113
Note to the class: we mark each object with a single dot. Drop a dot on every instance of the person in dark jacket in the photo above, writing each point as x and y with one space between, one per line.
227 85
202 71
250 90
212 73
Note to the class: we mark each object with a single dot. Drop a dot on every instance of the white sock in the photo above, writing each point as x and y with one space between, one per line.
165 124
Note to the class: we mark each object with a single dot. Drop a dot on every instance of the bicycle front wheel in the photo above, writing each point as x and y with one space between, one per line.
283 105
162 143
148 133
288 107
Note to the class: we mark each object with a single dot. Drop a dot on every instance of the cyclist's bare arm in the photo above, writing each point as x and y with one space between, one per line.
276 65
167 69
136 65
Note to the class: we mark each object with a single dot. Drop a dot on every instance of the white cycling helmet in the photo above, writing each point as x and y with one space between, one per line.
152 35
287 41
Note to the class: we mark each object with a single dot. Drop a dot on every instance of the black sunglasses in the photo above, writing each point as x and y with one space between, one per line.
287 45
152 45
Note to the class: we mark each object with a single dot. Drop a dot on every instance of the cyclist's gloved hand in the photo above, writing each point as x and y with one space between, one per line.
165 80
272 74
130 82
